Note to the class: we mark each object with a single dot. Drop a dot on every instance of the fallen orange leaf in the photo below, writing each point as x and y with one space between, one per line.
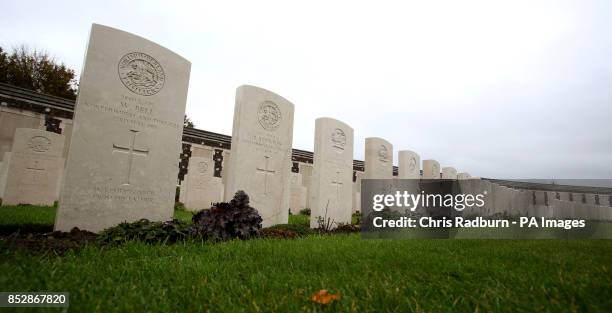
324 297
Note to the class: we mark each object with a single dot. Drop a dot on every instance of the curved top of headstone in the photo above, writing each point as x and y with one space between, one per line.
378 140
431 169
408 164
104 28
378 158
265 108
408 152
250 89
37 142
332 120
449 172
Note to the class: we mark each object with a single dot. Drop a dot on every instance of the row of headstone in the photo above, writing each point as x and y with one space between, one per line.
123 159
509 202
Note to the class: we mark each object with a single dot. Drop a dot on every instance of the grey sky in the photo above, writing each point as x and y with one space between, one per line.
505 89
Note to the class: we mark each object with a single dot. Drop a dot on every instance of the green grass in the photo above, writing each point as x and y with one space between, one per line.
300 219
45 215
27 214
275 275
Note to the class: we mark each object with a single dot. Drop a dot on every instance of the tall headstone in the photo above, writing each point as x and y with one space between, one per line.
34 167
332 179
201 189
449 173
298 194
260 162
431 169
126 140
409 165
378 158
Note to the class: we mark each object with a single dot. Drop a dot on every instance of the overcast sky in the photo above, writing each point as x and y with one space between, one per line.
503 89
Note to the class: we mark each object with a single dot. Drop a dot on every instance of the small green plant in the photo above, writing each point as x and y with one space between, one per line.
305 211
147 231
356 218
287 231
325 224
346 228
179 206
224 220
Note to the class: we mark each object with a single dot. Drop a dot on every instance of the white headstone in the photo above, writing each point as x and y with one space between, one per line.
201 187
34 167
449 173
260 162
126 141
332 178
409 165
378 158
306 172
298 194
431 169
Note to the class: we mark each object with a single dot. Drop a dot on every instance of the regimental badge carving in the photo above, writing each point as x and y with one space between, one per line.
269 115
141 73
338 139
202 167
412 164
39 144
383 153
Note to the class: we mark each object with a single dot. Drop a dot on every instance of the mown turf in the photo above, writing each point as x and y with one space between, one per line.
276 275
45 215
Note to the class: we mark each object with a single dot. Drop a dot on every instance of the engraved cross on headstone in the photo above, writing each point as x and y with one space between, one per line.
266 171
131 151
37 171
338 184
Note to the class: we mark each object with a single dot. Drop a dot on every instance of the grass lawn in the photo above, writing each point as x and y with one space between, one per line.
280 275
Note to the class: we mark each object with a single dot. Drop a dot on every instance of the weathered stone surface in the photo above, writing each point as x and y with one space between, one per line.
332 177
298 194
11 119
378 158
431 169
126 138
4 172
357 191
201 189
34 167
449 173
463 175
409 165
260 161
306 170
357 202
